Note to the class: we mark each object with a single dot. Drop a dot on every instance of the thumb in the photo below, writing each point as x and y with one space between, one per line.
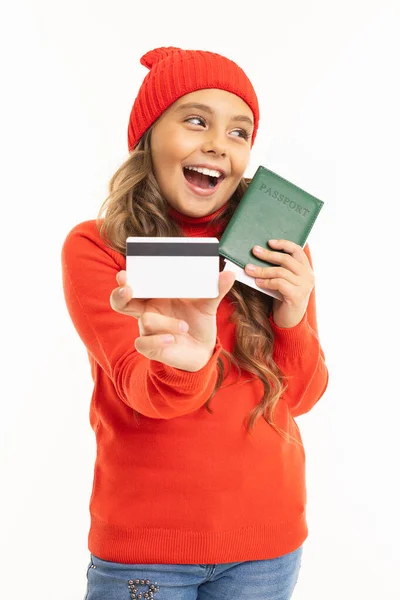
225 282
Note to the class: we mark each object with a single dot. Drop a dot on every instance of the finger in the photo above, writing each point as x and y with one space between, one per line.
225 282
152 345
287 290
272 273
153 323
281 258
291 248
121 301
121 278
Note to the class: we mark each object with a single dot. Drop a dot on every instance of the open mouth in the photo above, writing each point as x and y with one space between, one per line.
202 178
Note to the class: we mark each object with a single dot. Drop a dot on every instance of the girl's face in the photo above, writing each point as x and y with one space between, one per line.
200 148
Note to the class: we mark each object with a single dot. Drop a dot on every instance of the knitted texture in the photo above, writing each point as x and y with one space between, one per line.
174 73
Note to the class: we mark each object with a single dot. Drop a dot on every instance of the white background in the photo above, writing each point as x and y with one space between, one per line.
327 78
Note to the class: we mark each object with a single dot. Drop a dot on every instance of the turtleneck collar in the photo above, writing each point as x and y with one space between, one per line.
199 226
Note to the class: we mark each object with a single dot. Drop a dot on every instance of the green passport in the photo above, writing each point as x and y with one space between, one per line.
271 208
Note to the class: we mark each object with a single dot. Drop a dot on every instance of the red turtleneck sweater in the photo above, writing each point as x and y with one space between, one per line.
184 485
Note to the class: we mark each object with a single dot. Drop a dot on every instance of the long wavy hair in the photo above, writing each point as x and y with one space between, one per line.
136 207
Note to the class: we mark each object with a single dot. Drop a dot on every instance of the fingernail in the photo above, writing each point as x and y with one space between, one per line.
121 291
258 249
273 241
183 327
250 268
167 339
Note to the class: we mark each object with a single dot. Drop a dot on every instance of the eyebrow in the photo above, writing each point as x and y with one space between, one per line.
207 109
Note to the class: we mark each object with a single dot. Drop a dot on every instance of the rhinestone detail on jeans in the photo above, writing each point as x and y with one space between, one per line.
135 594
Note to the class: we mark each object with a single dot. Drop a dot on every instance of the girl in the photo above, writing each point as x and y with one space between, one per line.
199 480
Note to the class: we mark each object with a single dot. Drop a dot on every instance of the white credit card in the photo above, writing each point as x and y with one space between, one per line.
172 267
242 276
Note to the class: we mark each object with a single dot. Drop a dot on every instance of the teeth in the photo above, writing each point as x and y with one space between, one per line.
205 171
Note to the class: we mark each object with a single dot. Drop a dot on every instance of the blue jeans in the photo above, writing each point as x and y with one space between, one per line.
272 579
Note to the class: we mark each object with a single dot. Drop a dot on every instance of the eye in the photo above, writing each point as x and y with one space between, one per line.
200 120
242 133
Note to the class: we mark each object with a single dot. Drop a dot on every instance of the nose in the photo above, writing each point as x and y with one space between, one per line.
214 143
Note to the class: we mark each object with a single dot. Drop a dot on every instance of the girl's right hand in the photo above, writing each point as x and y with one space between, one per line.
160 321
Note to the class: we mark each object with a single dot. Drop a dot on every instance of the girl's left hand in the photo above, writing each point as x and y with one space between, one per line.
293 278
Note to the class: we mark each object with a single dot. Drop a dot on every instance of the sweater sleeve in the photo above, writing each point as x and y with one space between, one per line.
299 355
150 387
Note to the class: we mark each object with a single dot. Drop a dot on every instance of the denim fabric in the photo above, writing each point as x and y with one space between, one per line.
272 579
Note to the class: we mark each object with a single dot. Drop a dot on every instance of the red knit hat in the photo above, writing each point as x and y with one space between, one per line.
175 72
